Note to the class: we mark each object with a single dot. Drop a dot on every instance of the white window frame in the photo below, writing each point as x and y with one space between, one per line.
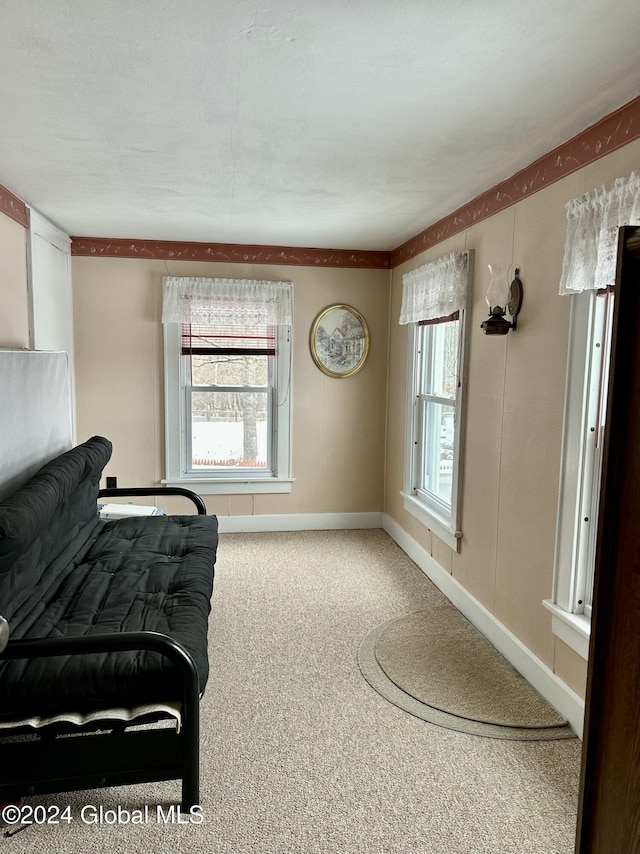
581 466
435 515
177 422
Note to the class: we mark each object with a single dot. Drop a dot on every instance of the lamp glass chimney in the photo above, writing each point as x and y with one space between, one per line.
497 295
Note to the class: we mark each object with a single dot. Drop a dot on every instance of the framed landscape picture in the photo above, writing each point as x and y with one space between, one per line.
339 341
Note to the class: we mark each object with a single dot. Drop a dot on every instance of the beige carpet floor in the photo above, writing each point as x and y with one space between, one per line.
300 756
435 664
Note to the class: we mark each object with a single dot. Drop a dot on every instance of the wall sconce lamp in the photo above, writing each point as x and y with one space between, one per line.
502 295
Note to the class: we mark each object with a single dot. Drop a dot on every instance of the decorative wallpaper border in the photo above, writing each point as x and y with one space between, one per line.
610 133
13 207
233 253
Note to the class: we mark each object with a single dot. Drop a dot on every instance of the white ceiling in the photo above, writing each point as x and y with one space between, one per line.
326 123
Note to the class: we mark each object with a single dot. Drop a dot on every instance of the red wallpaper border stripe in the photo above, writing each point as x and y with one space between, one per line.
13 207
234 253
610 133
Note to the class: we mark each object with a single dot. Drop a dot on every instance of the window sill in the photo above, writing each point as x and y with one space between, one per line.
233 485
573 629
436 524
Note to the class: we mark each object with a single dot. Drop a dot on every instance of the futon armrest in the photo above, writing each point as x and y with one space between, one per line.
109 642
4 633
30 648
159 490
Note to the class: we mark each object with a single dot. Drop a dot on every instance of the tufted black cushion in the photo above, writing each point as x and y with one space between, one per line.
64 572
47 521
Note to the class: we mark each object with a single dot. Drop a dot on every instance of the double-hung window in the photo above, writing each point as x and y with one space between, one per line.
584 425
434 308
227 384
588 276
437 356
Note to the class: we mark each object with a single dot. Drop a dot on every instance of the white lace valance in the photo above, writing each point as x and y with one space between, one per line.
226 302
435 290
591 249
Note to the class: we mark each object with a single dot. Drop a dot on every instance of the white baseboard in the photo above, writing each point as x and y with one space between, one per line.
543 679
298 522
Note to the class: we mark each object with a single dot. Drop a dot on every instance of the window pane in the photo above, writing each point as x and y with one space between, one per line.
439 347
230 370
229 430
436 471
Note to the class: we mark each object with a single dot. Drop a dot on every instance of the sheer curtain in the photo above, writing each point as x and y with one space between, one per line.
435 290
226 302
591 248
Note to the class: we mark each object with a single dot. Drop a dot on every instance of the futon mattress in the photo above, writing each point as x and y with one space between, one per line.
151 574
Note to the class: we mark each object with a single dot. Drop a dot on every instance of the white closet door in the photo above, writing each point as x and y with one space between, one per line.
51 299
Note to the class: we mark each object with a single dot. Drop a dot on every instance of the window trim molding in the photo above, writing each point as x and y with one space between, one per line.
234 486
572 629
571 538
428 517
175 427
571 474
447 529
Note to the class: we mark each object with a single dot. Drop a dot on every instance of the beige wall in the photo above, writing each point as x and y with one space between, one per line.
338 424
514 417
342 460
14 304
514 405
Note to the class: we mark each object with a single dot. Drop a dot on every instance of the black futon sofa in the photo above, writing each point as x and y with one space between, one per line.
107 619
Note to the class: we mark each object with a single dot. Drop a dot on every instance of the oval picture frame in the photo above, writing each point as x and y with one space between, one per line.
339 340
